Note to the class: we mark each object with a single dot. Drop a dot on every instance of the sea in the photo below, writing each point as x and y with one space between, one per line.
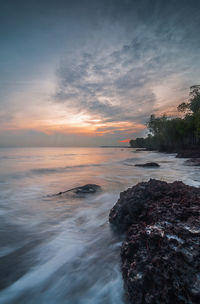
57 249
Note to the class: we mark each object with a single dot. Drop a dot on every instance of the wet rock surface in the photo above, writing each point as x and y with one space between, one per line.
148 165
86 189
193 153
140 150
192 162
89 188
161 253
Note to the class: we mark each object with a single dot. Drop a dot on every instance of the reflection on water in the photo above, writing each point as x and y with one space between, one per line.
61 249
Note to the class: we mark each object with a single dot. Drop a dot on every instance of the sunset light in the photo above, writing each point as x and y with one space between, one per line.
95 80
99 151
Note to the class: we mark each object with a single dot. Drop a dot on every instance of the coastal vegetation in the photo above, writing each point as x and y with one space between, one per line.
174 134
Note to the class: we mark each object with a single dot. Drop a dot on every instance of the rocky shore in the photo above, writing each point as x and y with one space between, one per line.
161 252
192 153
180 153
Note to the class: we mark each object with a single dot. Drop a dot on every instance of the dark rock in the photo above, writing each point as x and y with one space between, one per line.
193 153
160 256
192 162
161 264
140 150
148 165
89 188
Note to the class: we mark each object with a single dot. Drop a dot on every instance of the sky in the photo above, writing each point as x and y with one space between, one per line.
91 72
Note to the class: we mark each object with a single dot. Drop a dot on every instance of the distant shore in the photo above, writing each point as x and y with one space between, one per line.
181 153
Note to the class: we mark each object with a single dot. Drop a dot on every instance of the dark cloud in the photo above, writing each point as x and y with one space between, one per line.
117 82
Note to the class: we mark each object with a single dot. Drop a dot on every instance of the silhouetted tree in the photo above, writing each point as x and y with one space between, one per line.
167 134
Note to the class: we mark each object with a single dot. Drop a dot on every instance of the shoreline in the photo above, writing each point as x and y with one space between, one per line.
181 153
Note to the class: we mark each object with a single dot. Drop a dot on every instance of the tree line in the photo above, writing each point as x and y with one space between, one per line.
172 134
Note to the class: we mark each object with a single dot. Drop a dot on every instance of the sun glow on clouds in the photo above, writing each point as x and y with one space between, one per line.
64 123
96 71
87 127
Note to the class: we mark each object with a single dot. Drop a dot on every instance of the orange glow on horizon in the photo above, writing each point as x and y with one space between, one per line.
85 126
124 141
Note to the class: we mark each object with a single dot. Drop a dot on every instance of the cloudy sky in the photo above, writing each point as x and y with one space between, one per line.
90 72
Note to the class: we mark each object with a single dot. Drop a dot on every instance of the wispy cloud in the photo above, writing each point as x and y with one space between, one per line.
125 82
119 61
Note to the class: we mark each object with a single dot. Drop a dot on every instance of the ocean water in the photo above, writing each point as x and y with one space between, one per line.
61 249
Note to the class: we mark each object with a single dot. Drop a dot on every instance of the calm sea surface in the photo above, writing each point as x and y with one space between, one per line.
61 249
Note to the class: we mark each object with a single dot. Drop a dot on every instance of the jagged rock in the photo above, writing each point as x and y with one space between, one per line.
160 256
161 264
148 165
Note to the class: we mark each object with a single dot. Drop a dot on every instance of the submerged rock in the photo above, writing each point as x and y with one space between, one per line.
148 165
160 256
140 150
193 153
192 162
89 188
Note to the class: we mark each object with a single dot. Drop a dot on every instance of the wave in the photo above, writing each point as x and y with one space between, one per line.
133 159
60 169
41 171
130 161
